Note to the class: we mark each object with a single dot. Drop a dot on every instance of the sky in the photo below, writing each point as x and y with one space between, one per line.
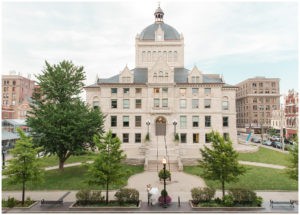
237 39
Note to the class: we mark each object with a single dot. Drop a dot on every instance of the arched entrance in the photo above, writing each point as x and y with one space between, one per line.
160 126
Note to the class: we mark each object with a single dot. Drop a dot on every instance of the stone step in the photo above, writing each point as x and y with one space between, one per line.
153 168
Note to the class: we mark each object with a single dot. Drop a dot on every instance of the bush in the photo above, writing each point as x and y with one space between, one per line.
228 200
161 199
202 194
176 137
258 201
127 195
161 174
9 203
242 196
85 197
163 193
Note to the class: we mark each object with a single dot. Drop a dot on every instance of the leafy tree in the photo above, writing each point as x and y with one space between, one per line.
293 167
107 168
60 122
24 166
220 161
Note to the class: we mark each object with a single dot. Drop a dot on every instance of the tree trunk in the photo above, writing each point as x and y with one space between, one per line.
61 165
23 193
107 192
223 188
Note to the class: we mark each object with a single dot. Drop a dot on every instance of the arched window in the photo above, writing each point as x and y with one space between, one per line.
96 102
149 56
170 56
160 73
175 56
154 57
143 56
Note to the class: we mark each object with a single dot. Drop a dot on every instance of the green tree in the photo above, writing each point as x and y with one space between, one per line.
60 122
293 167
220 161
24 166
107 168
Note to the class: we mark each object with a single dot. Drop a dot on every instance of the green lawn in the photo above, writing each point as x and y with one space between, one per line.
72 178
264 155
53 160
256 178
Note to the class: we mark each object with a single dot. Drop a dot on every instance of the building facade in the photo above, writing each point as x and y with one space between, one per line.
256 98
291 113
161 91
16 93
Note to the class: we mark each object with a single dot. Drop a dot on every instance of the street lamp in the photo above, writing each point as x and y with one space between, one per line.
164 162
174 123
148 123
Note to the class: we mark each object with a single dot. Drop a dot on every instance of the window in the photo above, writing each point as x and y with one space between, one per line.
207 140
126 79
226 136
225 121
113 121
182 103
125 90
267 107
273 84
138 103
164 103
182 121
165 90
138 121
13 89
114 103
207 103
225 105
156 90
156 103
113 135
95 104
261 84
183 138
125 121
175 56
125 138
138 137
207 121
182 91
195 91
196 138
253 84
125 103
114 90
255 100
207 91
195 121
195 103
138 90
160 74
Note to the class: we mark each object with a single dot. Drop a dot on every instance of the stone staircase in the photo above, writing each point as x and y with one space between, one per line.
156 166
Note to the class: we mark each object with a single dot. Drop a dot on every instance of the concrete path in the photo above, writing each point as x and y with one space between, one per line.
273 166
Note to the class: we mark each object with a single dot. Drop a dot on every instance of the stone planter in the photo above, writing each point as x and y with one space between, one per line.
247 208
72 206
30 206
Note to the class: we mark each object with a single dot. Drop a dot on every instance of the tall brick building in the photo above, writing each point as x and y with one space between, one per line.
291 113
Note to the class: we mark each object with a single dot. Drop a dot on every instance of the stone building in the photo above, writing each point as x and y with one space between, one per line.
16 93
160 91
256 98
291 113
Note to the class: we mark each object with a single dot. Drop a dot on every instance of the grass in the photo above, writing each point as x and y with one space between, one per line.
264 155
72 178
53 160
256 178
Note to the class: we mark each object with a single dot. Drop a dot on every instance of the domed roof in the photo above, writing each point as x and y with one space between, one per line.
170 33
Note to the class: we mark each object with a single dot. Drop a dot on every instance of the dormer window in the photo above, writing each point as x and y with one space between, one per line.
160 73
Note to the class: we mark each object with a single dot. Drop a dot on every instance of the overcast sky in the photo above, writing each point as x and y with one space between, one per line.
237 39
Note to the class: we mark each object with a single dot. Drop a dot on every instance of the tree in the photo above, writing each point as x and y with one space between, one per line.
220 162
293 167
59 120
107 168
24 166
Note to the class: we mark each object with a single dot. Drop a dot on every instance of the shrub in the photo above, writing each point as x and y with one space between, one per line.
161 174
176 137
85 197
127 195
242 196
147 138
163 193
161 199
228 201
11 202
202 194
258 201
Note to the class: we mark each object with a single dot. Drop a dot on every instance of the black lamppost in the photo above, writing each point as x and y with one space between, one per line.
148 123
164 161
174 123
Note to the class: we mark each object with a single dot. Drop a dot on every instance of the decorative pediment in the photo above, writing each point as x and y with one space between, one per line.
161 72
195 76
126 76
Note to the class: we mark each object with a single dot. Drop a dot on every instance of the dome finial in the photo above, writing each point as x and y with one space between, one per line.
159 14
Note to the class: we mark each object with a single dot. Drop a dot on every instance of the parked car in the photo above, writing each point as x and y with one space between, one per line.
277 144
267 143
275 138
255 140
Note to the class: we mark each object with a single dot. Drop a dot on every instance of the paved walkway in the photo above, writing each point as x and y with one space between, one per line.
273 166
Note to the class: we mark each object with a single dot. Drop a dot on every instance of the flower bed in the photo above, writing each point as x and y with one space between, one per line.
11 202
213 206
102 204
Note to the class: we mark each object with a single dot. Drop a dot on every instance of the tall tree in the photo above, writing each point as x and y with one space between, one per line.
293 158
107 168
60 122
220 161
24 166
